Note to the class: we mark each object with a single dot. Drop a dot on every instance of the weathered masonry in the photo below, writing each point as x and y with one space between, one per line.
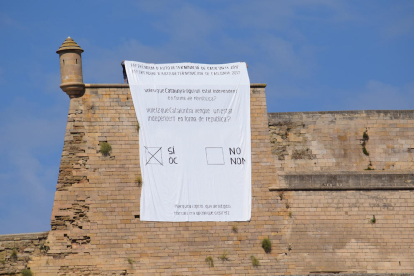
332 191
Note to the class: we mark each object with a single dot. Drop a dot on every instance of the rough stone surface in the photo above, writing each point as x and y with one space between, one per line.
95 220
332 141
17 250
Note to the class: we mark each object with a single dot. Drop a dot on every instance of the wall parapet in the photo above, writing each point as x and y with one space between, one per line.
23 236
122 85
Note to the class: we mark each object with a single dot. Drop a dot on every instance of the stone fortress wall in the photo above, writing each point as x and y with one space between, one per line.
312 197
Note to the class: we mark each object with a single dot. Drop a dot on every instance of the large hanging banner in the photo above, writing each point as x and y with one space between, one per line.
194 140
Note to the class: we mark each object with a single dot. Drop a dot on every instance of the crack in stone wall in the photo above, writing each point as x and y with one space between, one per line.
77 241
78 216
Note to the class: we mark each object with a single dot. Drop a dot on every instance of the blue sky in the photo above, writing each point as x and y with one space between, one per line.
315 55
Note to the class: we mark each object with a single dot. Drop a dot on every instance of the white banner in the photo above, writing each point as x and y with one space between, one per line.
194 140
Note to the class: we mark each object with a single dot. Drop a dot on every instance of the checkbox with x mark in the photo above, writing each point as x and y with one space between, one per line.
153 156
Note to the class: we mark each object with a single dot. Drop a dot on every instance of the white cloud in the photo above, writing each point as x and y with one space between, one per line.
400 27
393 19
189 22
158 6
6 21
193 32
374 95
377 95
283 15
285 57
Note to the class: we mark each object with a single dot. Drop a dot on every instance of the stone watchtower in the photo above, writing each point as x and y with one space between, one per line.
71 68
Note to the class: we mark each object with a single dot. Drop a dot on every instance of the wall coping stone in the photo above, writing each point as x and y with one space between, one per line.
23 236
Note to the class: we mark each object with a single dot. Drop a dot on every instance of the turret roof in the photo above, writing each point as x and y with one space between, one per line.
69 44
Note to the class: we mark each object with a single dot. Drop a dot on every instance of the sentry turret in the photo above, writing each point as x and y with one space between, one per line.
71 68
